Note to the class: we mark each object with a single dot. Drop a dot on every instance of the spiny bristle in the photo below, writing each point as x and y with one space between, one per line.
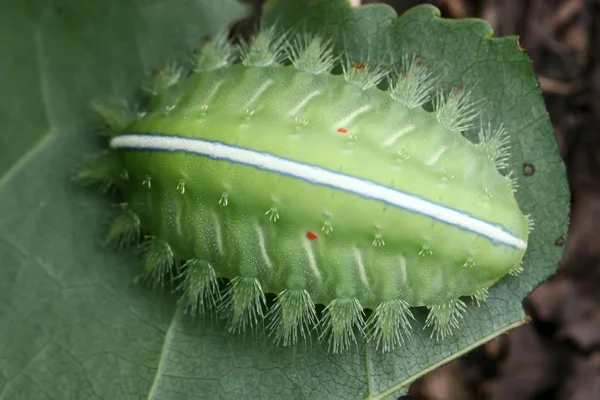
444 318
147 182
244 303
480 296
266 49
513 182
273 214
293 315
125 228
117 114
495 144
530 223
389 324
456 111
363 75
517 269
413 85
200 286
216 53
164 78
103 171
159 260
311 53
340 319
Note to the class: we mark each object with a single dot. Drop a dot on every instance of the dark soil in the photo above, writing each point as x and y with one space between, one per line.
557 355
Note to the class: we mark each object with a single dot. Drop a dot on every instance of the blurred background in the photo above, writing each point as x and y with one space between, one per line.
557 355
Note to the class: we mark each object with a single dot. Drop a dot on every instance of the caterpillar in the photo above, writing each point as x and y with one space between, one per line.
264 169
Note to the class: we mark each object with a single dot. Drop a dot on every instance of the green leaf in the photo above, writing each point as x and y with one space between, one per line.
73 323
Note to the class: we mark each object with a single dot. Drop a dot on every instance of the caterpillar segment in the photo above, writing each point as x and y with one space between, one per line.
159 261
517 269
480 296
445 317
343 318
103 171
200 288
244 168
292 317
389 324
363 75
216 53
413 84
125 228
244 303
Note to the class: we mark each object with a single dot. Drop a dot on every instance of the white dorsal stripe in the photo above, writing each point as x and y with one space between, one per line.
318 176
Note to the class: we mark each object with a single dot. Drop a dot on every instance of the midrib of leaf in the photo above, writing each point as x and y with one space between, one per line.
47 138
31 361
44 142
393 389
368 369
44 92
164 352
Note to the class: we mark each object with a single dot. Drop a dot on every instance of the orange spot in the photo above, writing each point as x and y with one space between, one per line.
359 65
311 235
342 130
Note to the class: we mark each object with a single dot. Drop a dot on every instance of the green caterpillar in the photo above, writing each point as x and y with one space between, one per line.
284 178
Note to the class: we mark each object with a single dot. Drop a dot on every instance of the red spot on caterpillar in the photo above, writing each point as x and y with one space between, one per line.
311 235
342 130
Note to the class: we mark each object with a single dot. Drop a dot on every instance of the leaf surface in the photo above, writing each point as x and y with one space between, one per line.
72 324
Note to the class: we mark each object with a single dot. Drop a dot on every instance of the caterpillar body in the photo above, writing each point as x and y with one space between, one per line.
282 177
